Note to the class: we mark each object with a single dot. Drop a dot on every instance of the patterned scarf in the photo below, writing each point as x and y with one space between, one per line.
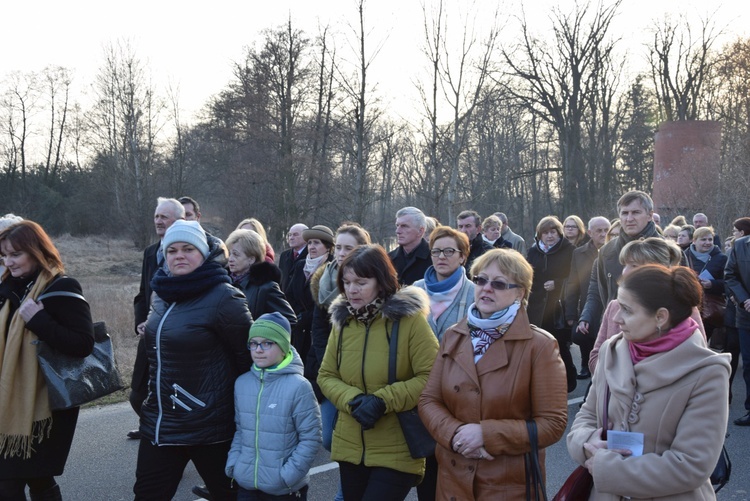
368 312
238 278
485 331
443 292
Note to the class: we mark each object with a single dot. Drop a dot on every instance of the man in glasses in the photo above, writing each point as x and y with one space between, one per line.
468 222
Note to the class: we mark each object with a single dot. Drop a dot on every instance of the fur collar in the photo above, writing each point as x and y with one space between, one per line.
406 302
315 282
263 272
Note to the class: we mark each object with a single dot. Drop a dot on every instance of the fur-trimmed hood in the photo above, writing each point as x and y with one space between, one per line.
263 272
405 302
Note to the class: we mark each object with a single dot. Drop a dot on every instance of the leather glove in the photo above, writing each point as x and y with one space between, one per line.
367 409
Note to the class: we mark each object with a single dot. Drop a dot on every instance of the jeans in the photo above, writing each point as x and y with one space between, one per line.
328 415
745 353
159 470
246 495
366 483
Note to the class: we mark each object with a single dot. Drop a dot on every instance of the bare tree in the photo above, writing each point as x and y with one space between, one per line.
57 82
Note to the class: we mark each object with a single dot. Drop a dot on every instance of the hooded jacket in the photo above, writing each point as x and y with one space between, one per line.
675 399
278 428
356 362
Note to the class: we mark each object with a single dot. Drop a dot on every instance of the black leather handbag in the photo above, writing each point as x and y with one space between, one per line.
73 381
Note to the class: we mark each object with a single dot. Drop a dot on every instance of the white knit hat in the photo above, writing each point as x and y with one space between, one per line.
189 232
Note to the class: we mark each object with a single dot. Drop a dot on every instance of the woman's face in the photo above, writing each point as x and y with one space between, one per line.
636 323
345 244
183 258
359 291
239 262
489 300
671 235
316 248
446 266
492 233
570 229
737 233
550 237
19 263
614 232
704 243
629 266
683 238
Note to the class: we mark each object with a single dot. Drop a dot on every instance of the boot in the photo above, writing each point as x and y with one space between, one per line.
51 494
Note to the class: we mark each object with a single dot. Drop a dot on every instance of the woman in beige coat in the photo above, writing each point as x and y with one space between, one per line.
657 379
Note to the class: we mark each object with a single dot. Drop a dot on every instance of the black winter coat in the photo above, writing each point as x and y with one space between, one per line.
411 267
196 349
717 260
65 324
261 288
553 265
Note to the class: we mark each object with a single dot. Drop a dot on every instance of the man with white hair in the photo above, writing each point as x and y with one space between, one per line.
700 220
577 287
412 256
297 250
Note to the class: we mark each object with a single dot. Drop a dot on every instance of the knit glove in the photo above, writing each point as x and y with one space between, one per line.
367 409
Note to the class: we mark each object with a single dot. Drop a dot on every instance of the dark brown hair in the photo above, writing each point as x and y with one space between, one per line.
370 261
27 236
743 224
654 286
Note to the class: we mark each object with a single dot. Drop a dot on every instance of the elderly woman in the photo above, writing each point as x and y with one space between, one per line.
35 440
657 380
550 257
575 231
708 261
445 282
493 372
671 232
253 224
491 233
257 278
685 236
374 459
319 252
633 255
196 336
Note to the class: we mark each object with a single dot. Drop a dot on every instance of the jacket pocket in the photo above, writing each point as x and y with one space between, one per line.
184 398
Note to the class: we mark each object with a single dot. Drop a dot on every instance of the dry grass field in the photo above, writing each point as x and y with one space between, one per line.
109 271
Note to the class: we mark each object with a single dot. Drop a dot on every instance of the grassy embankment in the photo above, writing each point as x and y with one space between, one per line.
109 271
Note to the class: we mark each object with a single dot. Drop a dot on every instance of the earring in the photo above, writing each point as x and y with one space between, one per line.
658 329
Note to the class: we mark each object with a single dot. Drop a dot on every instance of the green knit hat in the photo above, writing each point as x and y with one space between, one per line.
274 327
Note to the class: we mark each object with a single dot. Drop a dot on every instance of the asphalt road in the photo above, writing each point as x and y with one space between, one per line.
102 461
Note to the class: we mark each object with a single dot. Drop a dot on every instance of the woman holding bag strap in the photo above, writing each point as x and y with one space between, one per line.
34 440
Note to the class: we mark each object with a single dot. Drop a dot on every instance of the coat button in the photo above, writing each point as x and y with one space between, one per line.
453 462
471 469
456 388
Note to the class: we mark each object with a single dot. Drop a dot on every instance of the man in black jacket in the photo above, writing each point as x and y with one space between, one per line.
635 209
412 257
468 222
297 250
168 210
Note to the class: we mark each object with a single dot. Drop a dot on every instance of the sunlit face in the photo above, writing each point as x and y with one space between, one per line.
316 248
629 266
359 291
239 262
183 258
266 358
613 233
570 229
163 218
704 244
550 237
492 233
468 226
345 244
699 221
294 237
737 233
636 323
446 266
489 300
598 232
728 245
190 213
634 218
683 238
408 234
671 235
19 263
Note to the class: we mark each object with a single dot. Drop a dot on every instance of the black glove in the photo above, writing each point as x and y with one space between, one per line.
367 409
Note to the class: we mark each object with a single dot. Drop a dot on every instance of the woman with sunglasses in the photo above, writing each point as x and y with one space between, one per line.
493 372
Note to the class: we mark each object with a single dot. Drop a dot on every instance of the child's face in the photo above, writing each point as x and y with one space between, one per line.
265 357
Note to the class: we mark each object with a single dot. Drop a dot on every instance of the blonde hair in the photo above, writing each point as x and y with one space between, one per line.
250 242
491 221
581 228
256 226
702 232
652 250
511 263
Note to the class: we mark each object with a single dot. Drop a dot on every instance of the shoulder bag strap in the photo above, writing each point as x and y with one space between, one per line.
61 294
392 352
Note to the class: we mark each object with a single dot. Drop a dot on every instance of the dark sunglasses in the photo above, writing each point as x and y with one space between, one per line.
498 285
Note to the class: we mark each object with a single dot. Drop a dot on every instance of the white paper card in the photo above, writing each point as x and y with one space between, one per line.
625 440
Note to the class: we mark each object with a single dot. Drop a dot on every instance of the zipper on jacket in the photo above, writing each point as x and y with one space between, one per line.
257 424
160 414
179 389
364 387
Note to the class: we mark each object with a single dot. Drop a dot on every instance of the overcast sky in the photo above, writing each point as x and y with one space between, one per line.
193 44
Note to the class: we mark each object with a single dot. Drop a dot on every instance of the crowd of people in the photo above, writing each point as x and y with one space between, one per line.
249 360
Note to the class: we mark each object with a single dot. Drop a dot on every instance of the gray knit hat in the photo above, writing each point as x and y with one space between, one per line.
274 327
189 232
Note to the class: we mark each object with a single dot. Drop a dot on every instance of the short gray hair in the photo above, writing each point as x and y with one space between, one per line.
417 216
178 210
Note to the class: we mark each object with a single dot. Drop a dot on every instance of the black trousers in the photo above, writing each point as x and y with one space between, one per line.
365 483
160 469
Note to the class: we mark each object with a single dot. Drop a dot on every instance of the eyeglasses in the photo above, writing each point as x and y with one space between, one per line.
447 252
498 285
570 227
264 345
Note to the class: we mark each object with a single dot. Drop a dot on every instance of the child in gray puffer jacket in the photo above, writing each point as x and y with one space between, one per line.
277 416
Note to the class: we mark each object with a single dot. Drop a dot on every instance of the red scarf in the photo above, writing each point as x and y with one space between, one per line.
669 340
